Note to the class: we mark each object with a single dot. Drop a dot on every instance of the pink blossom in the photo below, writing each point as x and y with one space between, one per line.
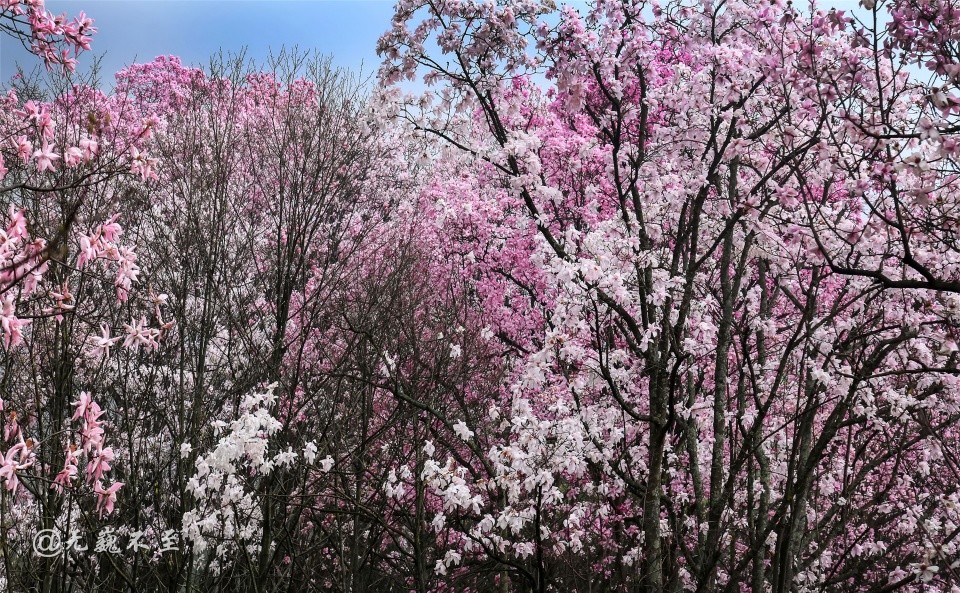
82 406
99 464
23 147
100 345
45 158
106 498
72 156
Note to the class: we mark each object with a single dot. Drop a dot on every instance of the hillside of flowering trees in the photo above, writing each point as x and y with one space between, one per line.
621 296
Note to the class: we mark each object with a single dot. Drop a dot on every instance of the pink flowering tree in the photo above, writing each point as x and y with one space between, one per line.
55 39
734 361
274 192
69 160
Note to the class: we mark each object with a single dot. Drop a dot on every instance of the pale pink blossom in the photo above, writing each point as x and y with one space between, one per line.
106 497
45 158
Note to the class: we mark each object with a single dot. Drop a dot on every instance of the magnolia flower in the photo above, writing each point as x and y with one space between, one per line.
89 147
18 457
12 428
310 452
72 156
100 345
326 464
24 148
31 111
63 479
463 431
88 251
92 433
106 497
11 324
928 129
8 471
139 335
926 572
45 157
82 404
100 464
17 227
157 299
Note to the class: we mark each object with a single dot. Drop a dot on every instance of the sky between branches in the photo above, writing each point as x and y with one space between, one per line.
139 30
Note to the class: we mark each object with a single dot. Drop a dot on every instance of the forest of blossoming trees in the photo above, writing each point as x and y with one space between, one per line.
633 296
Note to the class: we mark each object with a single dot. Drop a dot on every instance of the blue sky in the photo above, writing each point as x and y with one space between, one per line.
139 30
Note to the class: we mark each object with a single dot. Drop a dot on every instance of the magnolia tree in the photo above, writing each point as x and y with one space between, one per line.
714 240
273 209
66 156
